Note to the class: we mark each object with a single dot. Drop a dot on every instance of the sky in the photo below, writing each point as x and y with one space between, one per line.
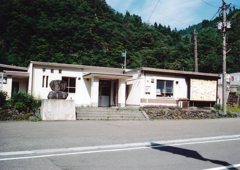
176 13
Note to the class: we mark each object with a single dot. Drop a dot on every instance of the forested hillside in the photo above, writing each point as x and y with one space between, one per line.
89 32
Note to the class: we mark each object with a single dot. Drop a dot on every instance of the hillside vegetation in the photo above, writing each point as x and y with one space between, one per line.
90 32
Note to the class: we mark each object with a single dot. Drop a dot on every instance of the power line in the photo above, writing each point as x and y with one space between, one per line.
215 14
156 12
153 10
209 4
236 5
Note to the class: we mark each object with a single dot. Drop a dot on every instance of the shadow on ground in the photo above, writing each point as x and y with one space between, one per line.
187 153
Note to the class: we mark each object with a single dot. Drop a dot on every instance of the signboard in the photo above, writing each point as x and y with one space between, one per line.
203 90
123 54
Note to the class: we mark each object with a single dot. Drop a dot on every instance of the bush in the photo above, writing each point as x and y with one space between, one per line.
3 98
25 102
217 106
238 92
20 106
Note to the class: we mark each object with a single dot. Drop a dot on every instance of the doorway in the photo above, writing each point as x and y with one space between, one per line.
104 93
15 87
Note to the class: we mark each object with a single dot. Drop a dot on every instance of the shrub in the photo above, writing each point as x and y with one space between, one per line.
238 92
20 106
217 106
25 102
220 112
7 105
3 98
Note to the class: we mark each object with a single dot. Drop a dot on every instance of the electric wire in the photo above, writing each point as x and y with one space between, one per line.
153 11
236 5
215 14
209 4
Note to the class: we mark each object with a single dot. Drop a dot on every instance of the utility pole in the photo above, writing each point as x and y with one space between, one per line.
223 27
224 88
125 60
195 51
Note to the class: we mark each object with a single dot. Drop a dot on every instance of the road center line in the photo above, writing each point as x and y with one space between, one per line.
109 148
115 146
225 167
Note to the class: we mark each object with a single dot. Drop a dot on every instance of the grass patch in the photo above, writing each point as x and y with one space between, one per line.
234 108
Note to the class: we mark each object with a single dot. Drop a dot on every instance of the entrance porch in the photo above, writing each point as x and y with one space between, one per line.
15 81
107 90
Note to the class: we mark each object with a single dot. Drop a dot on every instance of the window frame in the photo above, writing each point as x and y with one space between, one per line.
68 84
165 94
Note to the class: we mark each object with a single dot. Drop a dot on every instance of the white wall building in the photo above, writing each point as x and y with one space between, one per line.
106 87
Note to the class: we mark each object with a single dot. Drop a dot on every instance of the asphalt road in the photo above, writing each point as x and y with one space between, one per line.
183 144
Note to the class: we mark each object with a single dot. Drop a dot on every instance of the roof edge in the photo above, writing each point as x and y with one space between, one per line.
180 72
14 67
74 66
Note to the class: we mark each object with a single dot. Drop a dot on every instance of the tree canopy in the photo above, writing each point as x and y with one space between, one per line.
90 32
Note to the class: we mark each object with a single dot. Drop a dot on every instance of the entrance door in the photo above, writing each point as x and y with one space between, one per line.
104 93
15 87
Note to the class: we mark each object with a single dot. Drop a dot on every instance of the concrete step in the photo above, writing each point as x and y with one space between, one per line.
139 116
108 113
112 119
106 109
118 113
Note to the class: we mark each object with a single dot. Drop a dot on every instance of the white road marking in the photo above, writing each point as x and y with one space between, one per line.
225 167
118 147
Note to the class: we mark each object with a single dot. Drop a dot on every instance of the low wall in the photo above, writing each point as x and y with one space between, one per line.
58 109
159 113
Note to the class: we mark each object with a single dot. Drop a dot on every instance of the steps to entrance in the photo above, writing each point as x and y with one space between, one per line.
108 113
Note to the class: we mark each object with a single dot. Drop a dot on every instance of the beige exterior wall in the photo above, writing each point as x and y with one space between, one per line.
86 93
8 86
137 94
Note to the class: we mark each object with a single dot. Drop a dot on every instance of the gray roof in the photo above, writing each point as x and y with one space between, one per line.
166 71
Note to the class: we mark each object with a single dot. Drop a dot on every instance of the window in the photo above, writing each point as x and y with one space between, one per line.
44 69
71 84
46 81
60 71
43 81
164 88
52 70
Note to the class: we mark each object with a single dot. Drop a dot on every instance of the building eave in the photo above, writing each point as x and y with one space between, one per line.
14 67
37 63
18 74
184 73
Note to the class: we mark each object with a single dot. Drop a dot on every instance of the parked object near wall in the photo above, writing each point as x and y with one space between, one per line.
233 98
58 87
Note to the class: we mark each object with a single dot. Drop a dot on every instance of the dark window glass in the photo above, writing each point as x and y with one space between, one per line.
43 81
160 85
52 70
105 91
169 86
60 71
71 84
71 90
164 88
47 81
